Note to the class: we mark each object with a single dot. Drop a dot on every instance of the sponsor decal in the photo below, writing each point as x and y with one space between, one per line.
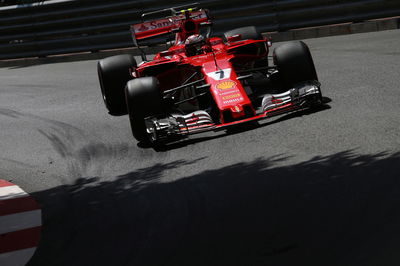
162 23
142 28
226 85
233 100
232 96
221 93
157 24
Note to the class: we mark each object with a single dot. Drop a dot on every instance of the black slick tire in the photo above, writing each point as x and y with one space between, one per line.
143 99
294 63
114 72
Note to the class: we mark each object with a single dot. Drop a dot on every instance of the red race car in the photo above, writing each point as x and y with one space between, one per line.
201 83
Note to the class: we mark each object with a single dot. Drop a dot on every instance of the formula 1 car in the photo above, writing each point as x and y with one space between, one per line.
202 83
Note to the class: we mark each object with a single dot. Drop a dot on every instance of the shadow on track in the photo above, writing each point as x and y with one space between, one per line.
341 209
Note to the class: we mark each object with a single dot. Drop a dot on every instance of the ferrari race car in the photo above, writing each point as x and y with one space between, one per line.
201 83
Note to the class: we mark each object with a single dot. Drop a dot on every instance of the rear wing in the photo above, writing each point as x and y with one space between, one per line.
154 28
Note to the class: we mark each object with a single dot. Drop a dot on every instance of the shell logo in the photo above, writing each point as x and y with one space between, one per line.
226 85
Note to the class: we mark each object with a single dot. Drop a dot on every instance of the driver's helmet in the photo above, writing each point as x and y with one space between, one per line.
194 44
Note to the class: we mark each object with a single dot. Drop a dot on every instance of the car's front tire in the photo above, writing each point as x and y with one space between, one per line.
294 63
143 99
114 72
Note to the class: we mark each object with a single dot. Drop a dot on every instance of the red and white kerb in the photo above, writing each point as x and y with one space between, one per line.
20 225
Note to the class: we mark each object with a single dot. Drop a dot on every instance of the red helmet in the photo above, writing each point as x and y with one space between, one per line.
193 44
195 38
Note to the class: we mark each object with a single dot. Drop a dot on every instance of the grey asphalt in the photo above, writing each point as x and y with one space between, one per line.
311 188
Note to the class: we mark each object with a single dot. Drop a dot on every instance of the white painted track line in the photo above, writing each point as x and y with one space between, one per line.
20 221
11 192
16 258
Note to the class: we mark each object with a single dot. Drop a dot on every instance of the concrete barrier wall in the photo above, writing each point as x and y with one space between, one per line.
65 26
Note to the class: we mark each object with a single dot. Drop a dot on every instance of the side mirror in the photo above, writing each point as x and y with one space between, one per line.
166 53
234 38
206 23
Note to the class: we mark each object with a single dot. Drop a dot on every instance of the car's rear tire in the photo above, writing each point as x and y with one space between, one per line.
143 99
294 63
114 72
249 32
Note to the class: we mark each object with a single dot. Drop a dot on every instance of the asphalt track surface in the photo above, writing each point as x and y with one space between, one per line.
312 188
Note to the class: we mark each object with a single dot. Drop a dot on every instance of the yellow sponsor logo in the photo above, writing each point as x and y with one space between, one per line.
226 85
232 96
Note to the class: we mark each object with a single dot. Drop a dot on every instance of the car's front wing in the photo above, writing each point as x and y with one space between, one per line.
302 96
